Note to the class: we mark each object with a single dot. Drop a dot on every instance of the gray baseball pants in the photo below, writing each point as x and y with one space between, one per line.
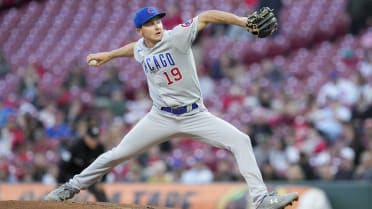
158 126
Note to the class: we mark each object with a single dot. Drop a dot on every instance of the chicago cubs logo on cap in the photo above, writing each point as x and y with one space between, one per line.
187 23
150 10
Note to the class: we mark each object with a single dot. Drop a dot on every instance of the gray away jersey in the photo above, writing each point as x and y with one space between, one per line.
170 67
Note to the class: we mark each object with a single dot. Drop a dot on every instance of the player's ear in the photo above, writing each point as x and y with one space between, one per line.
139 31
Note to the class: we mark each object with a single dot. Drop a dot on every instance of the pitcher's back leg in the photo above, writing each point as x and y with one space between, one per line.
217 132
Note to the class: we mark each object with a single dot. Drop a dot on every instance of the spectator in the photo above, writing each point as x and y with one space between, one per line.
360 14
157 173
366 40
27 119
224 172
5 174
75 112
260 131
265 97
39 167
365 68
273 73
346 167
337 88
4 66
60 130
278 157
328 120
47 114
199 173
6 109
137 107
75 78
269 172
118 104
130 171
112 135
223 66
307 169
295 173
321 162
207 85
28 86
233 101
110 82
5 142
16 133
50 177
364 169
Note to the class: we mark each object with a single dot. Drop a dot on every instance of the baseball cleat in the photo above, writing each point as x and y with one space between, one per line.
275 201
62 193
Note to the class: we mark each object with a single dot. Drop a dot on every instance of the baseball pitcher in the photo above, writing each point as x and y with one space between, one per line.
167 61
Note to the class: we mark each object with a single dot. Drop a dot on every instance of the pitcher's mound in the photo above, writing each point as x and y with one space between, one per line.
13 204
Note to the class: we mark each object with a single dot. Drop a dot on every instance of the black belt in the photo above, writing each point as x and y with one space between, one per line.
179 110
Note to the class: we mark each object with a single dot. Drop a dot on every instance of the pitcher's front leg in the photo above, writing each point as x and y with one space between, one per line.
153 129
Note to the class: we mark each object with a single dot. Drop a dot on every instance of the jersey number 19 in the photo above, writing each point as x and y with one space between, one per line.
175 75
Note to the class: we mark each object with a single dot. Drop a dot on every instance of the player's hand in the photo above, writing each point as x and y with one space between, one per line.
98 58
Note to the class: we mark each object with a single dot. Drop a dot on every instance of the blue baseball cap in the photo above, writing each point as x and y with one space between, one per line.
145 14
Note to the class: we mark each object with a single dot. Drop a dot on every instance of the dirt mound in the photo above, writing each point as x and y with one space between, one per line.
13 204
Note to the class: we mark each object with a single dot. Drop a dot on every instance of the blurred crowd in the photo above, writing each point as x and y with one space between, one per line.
322 134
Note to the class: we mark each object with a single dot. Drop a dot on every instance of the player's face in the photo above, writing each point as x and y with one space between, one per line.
152 31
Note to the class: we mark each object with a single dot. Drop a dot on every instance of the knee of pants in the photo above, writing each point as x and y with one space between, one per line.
117 155
244 141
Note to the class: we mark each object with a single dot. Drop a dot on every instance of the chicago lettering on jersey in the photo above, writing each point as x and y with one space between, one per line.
157 62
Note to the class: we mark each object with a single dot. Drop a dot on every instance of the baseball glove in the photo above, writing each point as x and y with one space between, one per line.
262 23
